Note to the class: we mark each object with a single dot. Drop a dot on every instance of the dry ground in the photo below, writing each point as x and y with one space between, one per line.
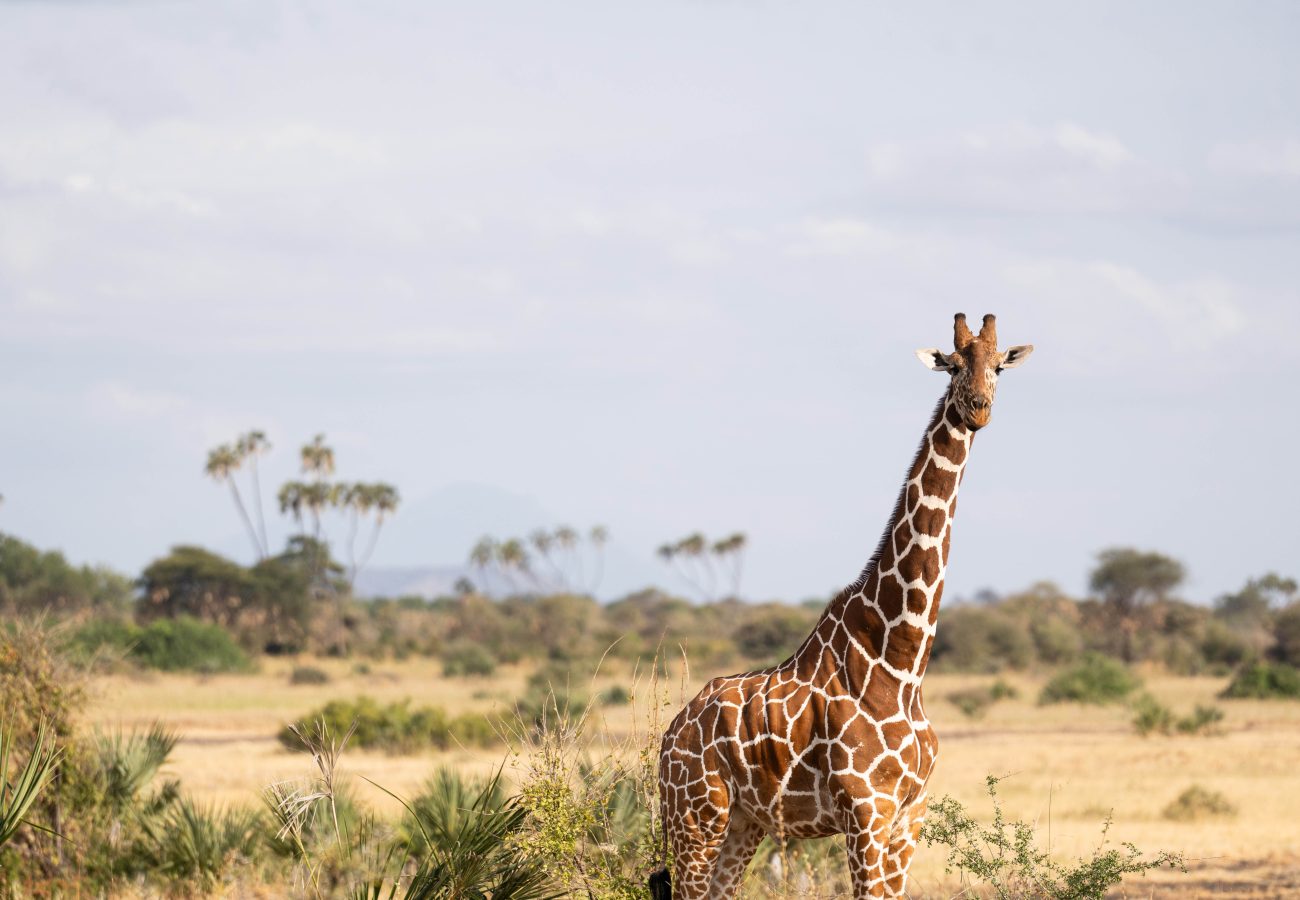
1070 766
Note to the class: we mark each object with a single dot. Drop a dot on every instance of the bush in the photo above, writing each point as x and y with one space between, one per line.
1197 803
464 659
1005 856
1095 679
978 639
1264 681
102 637
308 675
396 727
615 695
185 644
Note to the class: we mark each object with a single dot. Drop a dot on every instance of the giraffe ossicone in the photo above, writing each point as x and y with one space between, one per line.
835 740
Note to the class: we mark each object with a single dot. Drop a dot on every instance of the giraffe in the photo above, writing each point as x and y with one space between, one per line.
835 740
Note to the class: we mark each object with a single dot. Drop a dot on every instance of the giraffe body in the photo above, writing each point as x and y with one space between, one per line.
834 740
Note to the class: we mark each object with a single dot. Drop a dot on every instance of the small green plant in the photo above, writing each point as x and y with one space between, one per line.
1264 681
1198 803
308 675
395 727
462 660
201 843
1005 856
1153 717
974 701
971 701
1095 679
17 794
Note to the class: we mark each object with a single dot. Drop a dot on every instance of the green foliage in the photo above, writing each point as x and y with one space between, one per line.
615 695
974 701
1198 803
201 843
18 793
1264 681
1004 857
1094 679
981 639
188 645
395 727
1286 632
773 631
308 675
464 659
1152 717
36 582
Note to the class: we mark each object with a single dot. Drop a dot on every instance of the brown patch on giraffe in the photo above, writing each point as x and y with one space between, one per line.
929 521
953 417
916 601
920 563
889 597
937 482
905 641
871 630
902 534
913 497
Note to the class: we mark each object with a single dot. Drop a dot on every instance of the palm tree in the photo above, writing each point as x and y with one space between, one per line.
383 499
483 556
222 464
291 498
318 458
732 550
358 499
599 537
250 446
544 542
690 547
512 555
567 539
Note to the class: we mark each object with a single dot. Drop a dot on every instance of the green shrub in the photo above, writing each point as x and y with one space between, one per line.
308 675
396 727
1005 856
201 843
466 659
1197 803
100 637
188 645
1264 681
1152 717
615 695
1094 679
981 639
974 701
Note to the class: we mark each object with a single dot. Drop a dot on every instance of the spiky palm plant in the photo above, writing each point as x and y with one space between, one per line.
17 794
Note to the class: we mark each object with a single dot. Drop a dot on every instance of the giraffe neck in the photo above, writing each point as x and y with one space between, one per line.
886 619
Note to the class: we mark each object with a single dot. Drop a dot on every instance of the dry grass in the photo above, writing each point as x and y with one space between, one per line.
1070 764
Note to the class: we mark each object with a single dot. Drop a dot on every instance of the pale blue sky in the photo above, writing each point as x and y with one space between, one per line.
660 266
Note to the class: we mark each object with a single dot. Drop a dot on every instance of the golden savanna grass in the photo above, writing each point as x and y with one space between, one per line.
1069 766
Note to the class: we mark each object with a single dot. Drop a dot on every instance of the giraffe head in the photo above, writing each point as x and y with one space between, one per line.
974 367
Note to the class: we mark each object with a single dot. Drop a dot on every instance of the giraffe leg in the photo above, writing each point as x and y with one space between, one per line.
899 856
867 838
698 840
743 838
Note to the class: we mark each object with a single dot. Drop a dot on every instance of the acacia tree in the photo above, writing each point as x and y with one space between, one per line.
1126 580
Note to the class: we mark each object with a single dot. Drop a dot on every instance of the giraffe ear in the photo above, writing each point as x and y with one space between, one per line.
934 359
1015 356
